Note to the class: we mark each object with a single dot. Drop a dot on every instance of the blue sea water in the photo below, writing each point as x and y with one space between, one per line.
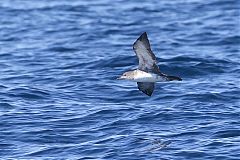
59 97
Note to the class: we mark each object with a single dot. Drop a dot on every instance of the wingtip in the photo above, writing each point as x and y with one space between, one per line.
143 36
147 93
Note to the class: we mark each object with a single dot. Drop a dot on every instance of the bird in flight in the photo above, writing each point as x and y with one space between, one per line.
148 72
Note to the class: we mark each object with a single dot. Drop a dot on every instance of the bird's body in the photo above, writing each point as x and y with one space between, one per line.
148 72
141 76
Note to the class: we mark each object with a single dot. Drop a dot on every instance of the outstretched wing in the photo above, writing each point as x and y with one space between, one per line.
146 58
146 87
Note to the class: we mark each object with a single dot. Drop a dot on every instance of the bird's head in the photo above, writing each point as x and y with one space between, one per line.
127 75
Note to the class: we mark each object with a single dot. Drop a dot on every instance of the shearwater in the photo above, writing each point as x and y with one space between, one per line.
148 72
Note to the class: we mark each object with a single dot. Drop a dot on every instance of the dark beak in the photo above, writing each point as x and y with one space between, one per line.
120 78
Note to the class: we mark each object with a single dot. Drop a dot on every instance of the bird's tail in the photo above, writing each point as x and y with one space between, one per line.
174 78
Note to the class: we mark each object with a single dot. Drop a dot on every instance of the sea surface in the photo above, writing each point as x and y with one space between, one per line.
59 97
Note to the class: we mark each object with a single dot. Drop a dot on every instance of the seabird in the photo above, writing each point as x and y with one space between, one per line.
148 72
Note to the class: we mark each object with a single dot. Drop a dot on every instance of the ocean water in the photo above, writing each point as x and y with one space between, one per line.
59 97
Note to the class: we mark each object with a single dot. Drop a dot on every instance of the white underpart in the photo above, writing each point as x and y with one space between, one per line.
141 76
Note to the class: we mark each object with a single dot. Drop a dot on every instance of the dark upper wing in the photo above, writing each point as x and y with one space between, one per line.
146 58
146 87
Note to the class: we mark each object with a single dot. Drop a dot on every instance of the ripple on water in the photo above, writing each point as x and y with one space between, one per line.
26 93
